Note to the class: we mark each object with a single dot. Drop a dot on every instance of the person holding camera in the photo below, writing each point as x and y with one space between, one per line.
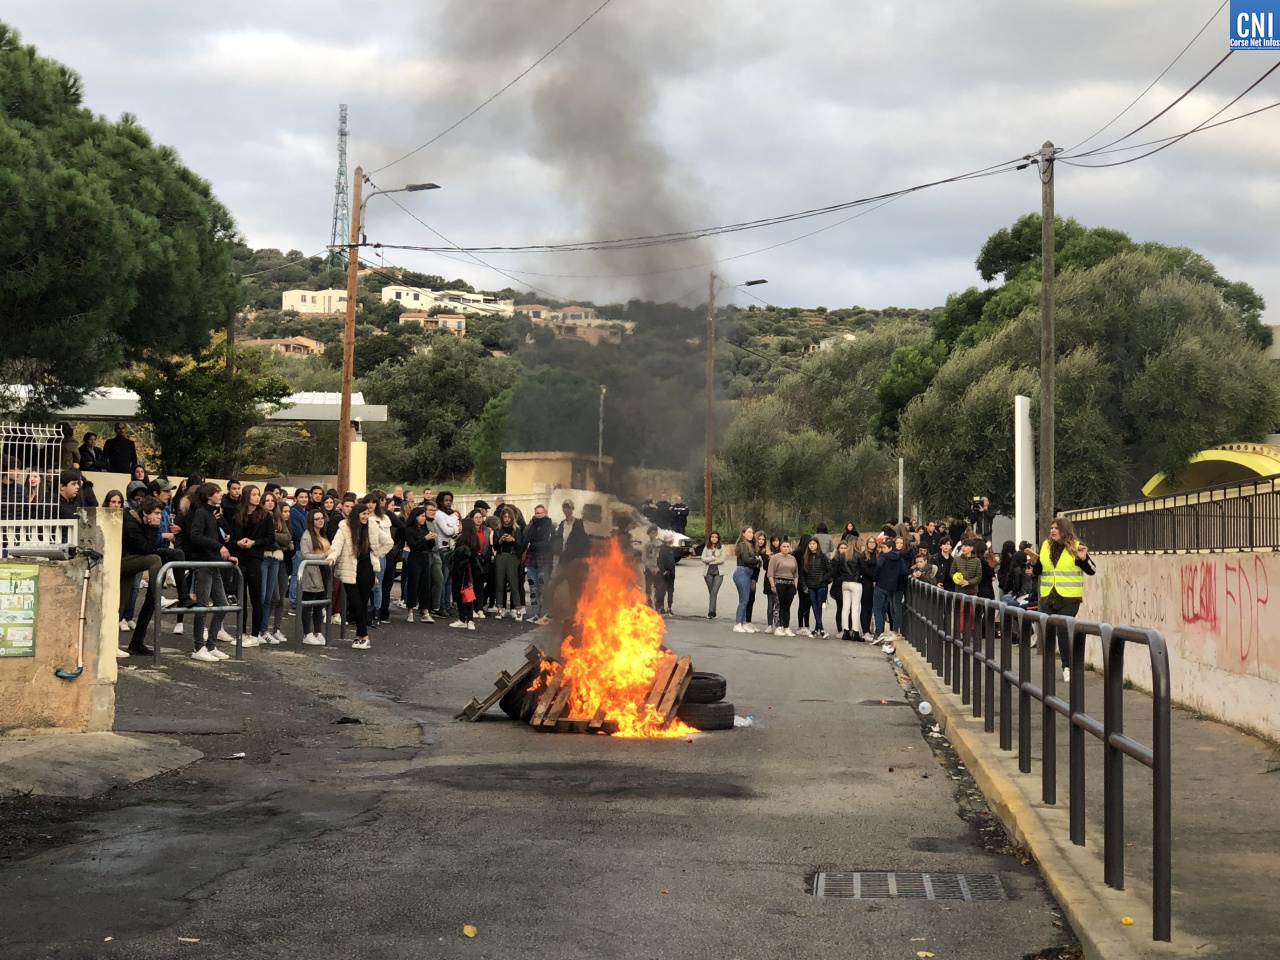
980 517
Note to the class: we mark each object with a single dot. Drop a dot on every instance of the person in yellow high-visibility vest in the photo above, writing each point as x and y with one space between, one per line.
1062 566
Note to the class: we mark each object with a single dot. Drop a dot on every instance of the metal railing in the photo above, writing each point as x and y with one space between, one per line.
1233 516
30 497
326 601
958 635
241 610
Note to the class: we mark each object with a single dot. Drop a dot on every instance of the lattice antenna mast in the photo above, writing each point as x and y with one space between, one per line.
340 235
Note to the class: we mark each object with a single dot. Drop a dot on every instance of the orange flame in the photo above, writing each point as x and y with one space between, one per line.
615 657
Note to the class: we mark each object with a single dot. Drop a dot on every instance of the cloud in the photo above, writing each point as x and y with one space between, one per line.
759 108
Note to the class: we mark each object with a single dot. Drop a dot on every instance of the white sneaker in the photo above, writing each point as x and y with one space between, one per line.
803 632
778 632
167 602
490 610
177 628
218 654
204 656
361 644
248 640
124 625
398 603
1066 674
409 617
790 632
314 639
269 638
225 637
479 614
122 653
133 624
458 625
748 628
427 617
471 626
280 637
520 615
337 618
739 628
168 579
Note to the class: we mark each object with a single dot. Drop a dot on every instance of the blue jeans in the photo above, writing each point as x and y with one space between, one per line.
293 579
538 586
742 580
270 574
817 597
880 608
446 576
379 572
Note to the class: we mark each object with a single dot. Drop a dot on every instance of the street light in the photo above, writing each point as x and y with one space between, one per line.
711 374
349 332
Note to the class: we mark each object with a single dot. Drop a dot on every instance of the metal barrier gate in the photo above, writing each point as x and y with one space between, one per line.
241 610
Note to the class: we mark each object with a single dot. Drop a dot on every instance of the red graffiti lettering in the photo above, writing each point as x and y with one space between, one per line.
1199 590
1248 591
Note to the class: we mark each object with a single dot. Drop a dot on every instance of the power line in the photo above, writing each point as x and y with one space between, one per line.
1135 100
279 266
524 73
1182 96
637 242
705 263
454 246
1196 129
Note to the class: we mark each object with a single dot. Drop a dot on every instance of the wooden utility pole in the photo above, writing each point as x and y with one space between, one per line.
708 525
349 339
1047 346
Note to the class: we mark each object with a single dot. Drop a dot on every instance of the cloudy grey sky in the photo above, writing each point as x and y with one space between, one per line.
667 114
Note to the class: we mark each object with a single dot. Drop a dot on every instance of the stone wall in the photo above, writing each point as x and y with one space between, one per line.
31 696
1215 613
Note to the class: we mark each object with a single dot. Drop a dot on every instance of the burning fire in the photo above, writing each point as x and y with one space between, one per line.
614 658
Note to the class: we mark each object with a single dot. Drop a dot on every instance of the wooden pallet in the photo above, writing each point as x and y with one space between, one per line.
503 684
669 685
554 700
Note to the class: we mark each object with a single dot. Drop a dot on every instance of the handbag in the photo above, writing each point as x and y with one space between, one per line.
469 592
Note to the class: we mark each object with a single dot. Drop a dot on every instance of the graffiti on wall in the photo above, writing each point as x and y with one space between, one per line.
1211 609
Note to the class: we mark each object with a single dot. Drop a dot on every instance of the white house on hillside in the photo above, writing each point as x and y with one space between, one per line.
416 298
315 301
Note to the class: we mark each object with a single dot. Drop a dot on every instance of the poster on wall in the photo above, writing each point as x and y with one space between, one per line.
18 609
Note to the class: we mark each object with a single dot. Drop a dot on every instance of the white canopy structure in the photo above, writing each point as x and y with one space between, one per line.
115 403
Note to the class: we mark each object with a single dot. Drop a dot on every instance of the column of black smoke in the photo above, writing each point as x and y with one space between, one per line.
590 114
593 107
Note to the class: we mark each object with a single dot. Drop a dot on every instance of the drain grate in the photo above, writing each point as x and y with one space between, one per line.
866 885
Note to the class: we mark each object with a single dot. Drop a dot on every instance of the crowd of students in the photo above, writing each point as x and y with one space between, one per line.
451 567
867 577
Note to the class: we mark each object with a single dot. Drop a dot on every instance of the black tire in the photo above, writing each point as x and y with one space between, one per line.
707 716
706 688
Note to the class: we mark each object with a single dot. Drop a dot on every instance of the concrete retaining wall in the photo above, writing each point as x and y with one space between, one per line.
1216 616
31 697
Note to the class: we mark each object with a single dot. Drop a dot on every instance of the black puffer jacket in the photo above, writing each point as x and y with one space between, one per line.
202 536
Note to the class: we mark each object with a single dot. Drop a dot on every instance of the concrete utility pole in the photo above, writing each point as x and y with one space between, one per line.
1047 347
600 434
349 340
901 489
708 526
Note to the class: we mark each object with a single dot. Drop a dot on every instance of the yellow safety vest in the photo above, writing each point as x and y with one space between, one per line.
1066 578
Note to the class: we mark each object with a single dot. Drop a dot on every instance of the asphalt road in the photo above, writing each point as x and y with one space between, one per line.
384 838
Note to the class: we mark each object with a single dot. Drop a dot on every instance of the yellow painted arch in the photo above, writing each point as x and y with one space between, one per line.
1229 463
